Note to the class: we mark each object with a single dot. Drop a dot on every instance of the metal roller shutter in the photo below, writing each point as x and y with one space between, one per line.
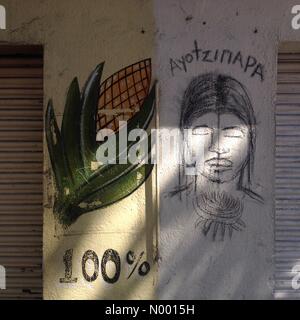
287 169
21 166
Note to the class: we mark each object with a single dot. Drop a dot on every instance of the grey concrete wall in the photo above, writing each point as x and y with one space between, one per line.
193 266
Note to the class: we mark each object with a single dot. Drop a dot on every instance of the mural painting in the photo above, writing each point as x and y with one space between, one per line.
82 183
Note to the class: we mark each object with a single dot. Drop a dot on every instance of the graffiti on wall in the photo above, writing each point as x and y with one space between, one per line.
82 183
135 262
248 64
218 110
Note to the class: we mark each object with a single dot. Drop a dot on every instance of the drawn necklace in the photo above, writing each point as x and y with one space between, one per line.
218 213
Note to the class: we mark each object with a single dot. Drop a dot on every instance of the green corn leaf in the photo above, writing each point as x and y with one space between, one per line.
80 189
90 99
110 172
123 187
56 151
112 175
70 131
111 194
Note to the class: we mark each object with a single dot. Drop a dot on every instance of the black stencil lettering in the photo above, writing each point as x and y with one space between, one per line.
196 50
224 53
90 255
182 61
189 58
259 71
174 66
216 55
238 57
205 58
111 255
251 62
68 261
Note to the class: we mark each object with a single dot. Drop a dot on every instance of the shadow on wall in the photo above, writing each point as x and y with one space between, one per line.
210 230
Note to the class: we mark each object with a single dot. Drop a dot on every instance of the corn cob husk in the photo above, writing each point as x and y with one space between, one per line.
122 95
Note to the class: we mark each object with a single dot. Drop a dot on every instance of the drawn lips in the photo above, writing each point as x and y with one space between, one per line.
219 163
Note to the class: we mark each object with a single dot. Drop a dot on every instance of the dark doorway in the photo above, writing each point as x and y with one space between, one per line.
21 170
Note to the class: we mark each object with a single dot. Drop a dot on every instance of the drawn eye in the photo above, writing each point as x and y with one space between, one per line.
201 131
235 132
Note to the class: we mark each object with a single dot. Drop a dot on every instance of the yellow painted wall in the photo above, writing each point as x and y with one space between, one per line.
77 35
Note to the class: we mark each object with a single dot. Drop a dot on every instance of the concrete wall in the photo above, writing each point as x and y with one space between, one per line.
192 264
77 35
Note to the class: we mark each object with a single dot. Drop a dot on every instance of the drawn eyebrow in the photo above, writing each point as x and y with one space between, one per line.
202 126
233 127
204 129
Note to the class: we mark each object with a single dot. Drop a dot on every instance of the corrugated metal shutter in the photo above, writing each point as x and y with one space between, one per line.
287 184
21 165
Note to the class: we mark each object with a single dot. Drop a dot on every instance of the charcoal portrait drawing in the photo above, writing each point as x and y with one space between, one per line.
218 111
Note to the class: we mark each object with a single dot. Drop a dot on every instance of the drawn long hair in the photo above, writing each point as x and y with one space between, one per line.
220 94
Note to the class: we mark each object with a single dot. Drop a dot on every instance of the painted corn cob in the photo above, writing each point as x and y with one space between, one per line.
80 188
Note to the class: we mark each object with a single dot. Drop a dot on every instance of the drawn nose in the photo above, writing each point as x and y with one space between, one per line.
216 144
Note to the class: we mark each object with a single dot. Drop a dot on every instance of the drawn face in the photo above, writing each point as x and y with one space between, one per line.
224 142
